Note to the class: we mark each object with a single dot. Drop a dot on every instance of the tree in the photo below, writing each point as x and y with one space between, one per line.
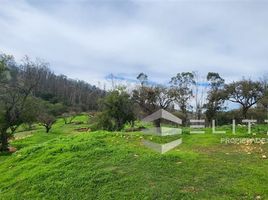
199 92
117 110
47 120
215 96
143 78
3 68
3 78
245 92
70 115
31 111
15 90
264 100
182 90
48 114
59 88
152 98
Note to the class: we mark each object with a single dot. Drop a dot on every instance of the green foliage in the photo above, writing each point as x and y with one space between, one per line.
150 98
16 89
216 95
31 111
117 109
10 101
182 91
245 92
5 61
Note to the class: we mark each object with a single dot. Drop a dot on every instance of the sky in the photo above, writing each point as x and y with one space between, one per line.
89 40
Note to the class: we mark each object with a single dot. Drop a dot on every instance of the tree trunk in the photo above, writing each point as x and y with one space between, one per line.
3 140
119 124
244 112
132 124
47 129
71 119
209 122
30 126
184 118
13 129
65 120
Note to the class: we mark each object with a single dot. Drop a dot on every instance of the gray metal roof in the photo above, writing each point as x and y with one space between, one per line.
162 114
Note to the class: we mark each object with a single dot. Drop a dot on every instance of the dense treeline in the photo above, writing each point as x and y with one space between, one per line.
58 88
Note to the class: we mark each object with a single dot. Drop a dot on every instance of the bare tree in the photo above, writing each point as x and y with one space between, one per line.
200 89
48 113
47 121
70 115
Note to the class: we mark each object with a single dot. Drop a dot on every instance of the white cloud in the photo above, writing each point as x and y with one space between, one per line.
90 39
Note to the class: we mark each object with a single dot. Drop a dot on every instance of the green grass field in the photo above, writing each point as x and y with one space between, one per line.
69 164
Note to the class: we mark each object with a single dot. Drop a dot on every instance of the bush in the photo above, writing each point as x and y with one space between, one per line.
117 110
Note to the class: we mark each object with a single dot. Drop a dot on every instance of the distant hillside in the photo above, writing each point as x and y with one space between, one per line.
58 88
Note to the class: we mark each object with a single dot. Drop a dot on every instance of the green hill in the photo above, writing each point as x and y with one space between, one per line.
69 164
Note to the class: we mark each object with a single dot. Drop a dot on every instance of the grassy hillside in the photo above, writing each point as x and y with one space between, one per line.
69 164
